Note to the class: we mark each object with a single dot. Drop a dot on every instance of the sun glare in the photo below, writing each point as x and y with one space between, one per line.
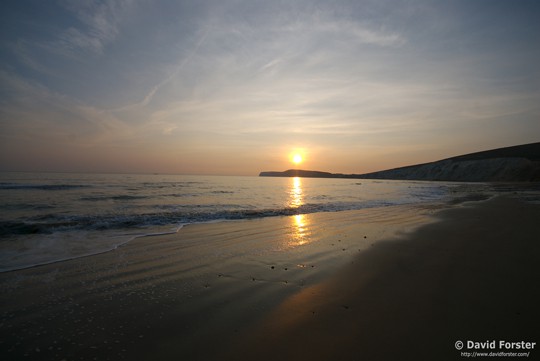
297 159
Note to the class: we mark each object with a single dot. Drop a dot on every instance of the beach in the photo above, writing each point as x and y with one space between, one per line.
472 276
399 282
231 180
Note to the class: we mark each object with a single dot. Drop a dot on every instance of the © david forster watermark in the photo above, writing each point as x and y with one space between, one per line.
495 348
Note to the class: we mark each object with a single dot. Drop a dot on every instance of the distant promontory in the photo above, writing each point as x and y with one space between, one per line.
301 173
511 164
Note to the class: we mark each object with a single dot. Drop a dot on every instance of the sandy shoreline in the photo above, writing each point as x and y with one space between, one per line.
473 276
322 286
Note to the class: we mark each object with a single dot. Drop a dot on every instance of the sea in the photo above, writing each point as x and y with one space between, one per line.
50 217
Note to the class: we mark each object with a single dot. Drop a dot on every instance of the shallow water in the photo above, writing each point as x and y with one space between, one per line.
47 217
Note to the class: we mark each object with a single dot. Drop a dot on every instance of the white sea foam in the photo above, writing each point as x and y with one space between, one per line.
36 250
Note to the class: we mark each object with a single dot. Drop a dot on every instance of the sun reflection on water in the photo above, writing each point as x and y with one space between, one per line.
296 198
299 222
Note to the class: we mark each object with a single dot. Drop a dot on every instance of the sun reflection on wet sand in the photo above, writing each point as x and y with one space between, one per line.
300 230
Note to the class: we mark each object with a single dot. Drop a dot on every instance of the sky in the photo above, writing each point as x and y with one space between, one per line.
237 87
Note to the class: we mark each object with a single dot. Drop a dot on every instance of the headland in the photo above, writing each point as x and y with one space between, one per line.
511 164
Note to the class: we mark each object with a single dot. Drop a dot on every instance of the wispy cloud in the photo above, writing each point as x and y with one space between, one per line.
242 76
358 33
148 98
98 25
51 117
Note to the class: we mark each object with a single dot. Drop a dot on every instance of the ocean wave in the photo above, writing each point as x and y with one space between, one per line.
8 228
123 197
55 222
164 185
44 187
26 206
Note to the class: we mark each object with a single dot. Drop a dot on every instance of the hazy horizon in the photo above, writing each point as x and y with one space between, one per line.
238 87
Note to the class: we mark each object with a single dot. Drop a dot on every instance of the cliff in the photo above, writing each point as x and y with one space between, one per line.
512 164
482 170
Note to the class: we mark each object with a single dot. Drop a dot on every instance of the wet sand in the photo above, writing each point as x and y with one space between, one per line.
472 276
383 284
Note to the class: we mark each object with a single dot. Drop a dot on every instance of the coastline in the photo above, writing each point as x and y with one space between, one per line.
472 276
308 281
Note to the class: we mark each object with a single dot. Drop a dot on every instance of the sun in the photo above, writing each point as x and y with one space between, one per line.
297 158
